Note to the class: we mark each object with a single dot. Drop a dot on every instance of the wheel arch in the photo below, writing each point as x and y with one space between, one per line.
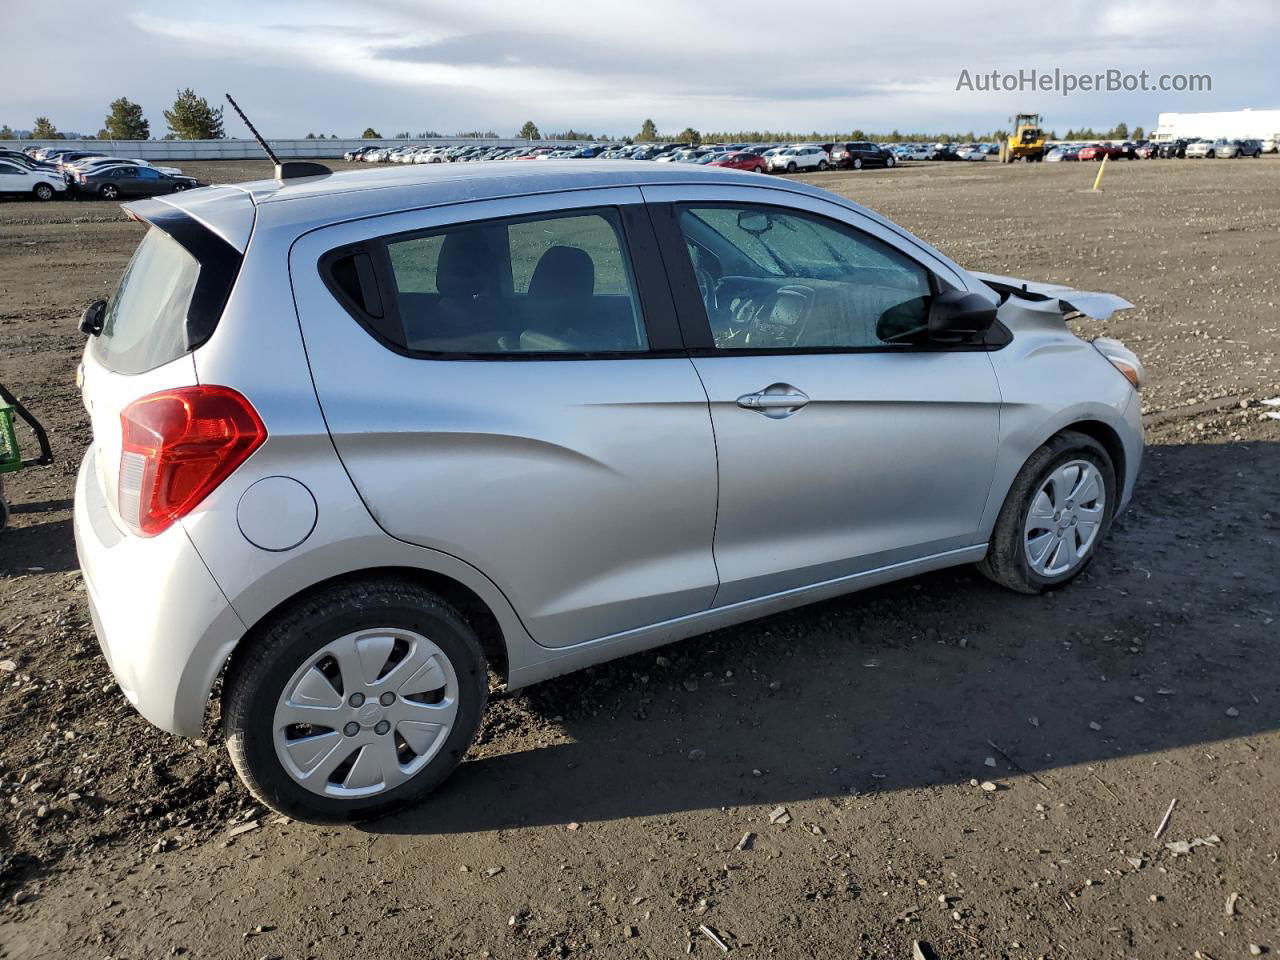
1106 435
470 604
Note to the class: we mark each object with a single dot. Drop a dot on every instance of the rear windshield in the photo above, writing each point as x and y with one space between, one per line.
146 318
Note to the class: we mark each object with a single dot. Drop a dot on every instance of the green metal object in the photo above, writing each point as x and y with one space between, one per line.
11 458
10 455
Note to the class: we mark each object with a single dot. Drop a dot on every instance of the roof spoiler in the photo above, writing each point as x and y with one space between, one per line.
292 169
285 169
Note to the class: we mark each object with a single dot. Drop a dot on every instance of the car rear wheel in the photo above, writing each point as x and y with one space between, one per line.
109 191
857 163
890 161
179 187
355 703
43 191
822 164
1059 508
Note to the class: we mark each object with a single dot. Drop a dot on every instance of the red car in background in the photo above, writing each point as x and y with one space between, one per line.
1096 151
742 161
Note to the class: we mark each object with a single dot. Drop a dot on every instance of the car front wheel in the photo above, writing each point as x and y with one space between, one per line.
109 191
857 163
1059 508
354 703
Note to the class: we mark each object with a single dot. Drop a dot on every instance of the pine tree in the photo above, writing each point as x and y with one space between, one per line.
648 132
45 130
125 121
370 134
529 131
193 119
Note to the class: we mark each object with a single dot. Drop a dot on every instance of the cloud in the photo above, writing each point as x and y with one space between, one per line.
717 64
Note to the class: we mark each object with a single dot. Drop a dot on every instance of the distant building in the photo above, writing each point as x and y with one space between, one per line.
1230 124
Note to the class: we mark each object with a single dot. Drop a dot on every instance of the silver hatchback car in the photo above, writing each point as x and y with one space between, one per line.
362 439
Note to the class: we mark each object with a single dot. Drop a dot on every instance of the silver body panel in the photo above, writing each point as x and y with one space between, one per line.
596 507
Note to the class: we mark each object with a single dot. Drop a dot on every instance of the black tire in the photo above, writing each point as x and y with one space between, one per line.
43 192
261 667
822 165
1006 559
791 167
179 187
890 161
109 191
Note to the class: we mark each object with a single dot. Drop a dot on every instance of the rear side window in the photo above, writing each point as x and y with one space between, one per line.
145 323
548 284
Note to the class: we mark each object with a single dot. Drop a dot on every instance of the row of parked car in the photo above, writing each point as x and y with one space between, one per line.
48 172
1220 148
762 158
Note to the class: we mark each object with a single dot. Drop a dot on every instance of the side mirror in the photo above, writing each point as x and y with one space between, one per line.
91 319
956 316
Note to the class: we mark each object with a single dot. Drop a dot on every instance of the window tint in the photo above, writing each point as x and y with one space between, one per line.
547 284
146 319
784 280
8 168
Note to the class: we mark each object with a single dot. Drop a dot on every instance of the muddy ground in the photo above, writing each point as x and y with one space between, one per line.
604 814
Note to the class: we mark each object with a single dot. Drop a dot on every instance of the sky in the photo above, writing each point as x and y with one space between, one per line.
604 66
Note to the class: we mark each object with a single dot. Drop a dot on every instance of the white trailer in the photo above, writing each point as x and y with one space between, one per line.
1228 124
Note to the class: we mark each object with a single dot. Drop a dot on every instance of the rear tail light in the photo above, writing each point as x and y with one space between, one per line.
178 446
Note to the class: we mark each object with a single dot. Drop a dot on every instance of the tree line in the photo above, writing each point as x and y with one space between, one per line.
190 118
193 118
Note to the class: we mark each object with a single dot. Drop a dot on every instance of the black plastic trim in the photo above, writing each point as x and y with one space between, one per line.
219 264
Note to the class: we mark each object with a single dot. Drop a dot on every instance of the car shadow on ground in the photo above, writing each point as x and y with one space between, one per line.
27 547
1168 640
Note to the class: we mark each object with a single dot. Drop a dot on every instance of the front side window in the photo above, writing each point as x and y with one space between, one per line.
556 283
775 280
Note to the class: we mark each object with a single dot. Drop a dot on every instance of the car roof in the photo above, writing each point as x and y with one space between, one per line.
361 192
307 203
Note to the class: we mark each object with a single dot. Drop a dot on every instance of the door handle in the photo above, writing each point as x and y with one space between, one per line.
775 401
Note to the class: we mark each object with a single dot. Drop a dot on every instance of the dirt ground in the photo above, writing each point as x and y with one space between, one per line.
620 811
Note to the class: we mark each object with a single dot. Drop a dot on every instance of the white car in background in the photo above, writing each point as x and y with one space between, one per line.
1271 144
90 163
799 158
971 151
41 184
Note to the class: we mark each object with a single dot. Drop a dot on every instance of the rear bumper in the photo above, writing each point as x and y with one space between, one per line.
164 625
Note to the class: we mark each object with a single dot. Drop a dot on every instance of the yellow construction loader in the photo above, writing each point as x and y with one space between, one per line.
1027 140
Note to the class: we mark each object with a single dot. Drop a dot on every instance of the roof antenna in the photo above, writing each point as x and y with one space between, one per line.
287 169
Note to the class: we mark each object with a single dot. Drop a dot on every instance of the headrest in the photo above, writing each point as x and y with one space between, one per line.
563 272
465 266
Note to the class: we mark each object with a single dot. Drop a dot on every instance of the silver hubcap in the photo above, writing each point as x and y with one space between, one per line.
1065 518
365 713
